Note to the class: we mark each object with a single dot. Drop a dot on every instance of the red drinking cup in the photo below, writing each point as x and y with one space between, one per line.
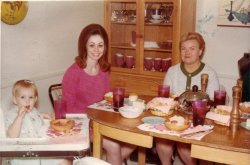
119 59
118 98
200 109
166 63
148 63
163 91
130 61
60 109
219 97
157 64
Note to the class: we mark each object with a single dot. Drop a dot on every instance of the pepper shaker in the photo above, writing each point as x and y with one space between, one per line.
204 81
235 114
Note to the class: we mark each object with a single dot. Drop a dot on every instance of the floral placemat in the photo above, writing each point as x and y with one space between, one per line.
196 133
74 131
102 105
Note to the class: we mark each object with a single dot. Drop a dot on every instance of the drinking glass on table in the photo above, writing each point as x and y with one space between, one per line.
60 109
118 98
219 97
163 90
200 109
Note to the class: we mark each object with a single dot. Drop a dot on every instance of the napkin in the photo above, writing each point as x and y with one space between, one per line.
102 105
225 119
196 133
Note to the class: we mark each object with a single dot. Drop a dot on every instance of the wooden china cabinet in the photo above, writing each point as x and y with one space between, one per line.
136 36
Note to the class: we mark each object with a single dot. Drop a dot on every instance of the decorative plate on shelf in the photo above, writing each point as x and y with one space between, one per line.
13 12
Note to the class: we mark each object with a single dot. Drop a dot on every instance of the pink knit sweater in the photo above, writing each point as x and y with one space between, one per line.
80 90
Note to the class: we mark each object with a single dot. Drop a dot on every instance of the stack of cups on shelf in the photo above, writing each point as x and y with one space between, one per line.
124 61
157 64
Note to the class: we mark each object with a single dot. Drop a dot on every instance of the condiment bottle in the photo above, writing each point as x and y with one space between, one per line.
204 81
235 115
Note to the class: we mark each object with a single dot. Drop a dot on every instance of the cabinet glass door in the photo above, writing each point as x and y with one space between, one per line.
123 18
158 37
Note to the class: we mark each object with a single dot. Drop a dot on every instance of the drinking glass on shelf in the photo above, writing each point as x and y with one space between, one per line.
130 61
157 64
119 59
166 12
166 63
148 63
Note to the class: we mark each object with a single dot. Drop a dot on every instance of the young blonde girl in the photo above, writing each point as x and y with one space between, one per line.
24 120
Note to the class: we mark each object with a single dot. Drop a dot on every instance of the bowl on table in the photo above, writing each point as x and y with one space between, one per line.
130 111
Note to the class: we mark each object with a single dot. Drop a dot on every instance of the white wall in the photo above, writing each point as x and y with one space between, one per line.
43 45
224 45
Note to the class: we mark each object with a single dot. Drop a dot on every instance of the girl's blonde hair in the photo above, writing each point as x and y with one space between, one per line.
28 84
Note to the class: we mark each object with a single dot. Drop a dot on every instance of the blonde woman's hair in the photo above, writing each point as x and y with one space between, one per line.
28 84
194 36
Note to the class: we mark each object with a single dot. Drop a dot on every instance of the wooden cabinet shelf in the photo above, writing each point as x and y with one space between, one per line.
135 35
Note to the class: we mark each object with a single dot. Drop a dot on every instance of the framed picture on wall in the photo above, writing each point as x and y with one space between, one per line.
234 13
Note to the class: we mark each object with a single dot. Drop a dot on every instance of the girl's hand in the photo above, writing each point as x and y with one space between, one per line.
22 111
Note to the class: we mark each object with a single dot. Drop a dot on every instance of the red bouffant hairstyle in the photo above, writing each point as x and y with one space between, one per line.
87 32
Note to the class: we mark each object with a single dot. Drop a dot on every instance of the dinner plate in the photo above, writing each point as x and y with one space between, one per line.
244 125
153 120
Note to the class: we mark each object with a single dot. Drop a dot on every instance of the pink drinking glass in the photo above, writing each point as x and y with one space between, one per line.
60 108
118 97
163 90
219 97
200 109
157 64
166 63
148 63
119 59
130 60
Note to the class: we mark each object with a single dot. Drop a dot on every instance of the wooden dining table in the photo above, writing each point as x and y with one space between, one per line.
221 145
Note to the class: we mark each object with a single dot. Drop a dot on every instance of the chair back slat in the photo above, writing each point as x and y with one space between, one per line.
55 93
